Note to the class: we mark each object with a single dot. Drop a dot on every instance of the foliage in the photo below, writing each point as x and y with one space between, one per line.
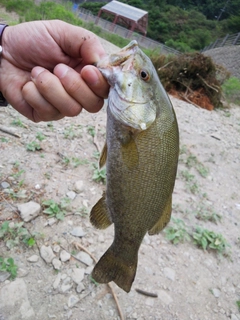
33 146
54 209
207 239
231 90
177 232
99 175
14 234
8 265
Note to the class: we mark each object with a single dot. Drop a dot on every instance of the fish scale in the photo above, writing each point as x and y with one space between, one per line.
141 155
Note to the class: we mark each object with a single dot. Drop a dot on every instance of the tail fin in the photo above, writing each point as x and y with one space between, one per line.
113 268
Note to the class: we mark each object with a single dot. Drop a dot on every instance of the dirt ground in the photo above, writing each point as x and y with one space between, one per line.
190 283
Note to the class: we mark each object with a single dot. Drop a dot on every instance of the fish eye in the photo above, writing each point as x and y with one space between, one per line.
144 75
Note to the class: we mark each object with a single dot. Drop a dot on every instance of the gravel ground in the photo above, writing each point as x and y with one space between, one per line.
227 57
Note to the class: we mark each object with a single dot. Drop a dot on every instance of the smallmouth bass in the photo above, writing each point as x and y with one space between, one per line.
141 155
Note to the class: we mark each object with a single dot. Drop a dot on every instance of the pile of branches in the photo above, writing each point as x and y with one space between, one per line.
192 77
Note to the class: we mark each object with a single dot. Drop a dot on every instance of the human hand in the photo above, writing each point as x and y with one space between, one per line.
46 70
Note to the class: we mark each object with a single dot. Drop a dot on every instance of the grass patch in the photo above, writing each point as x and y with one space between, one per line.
231 90
8 265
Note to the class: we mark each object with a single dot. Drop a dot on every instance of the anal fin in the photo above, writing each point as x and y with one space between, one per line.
99 215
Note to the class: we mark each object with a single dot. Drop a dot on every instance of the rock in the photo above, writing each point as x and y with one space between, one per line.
164 297
77 275
15 294
5 185
72 300
66 287
4 276
234 317
56 264
79 186
56 248
169 273
64 256
216 292
47 253
57 281
80 287
33 258
29 210
71 195
85 258
77 232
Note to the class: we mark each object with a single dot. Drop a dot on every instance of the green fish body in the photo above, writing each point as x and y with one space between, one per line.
141 155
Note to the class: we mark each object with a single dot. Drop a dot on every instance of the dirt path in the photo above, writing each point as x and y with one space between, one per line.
190 283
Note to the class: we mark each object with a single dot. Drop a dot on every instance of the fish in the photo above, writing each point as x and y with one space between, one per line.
141 157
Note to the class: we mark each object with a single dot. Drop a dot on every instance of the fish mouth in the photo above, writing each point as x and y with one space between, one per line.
117 59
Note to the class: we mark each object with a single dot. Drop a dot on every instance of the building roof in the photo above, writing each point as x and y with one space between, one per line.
124 10
129 16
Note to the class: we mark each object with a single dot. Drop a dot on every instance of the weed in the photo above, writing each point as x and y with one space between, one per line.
3 139
18 174
207 214
177 232
8 265
50 126
187 175
13 234
91 131
203 171
193 187
17 122
33 146
207 239
231 89
99 175
70 133
54 209
191 161
47 175
238 304
40 136
77 162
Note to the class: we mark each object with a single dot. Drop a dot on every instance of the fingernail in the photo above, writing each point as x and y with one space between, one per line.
91 76
36 71
61 70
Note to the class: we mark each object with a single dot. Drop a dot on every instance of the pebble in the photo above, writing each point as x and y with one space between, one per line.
216 292
71 195
66 287
33 258
4 276
64 256
57 281
234 317
78 275
47 253
29 210
80 287
56 264
164 297
79 186
84 258
77 232
5 185
169 273
72 300
56 248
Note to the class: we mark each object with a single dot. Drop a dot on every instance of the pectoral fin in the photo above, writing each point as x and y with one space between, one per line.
103 156
130 154
164 219
99 215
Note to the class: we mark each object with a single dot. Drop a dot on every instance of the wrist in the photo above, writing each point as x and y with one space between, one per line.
3 101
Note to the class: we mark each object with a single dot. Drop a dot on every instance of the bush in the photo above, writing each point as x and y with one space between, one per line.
231 90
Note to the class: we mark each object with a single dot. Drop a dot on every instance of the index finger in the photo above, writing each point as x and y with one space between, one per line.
77 42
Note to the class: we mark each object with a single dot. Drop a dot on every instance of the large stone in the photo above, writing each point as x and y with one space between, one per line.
77 275
47 253
29 210
15 294
85 258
